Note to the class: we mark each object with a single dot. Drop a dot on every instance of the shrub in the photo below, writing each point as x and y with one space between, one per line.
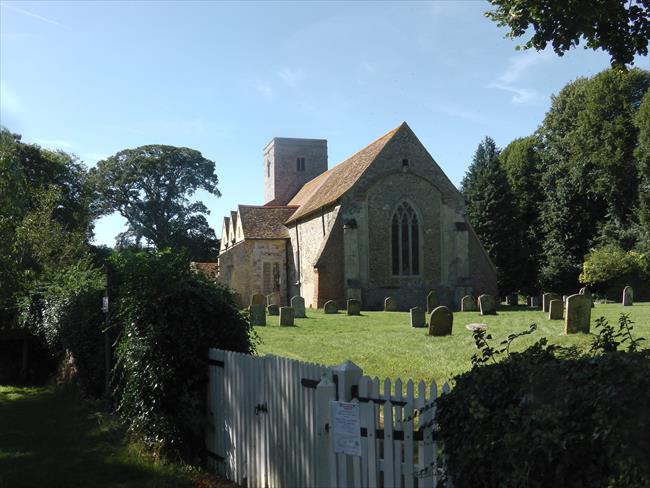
611 262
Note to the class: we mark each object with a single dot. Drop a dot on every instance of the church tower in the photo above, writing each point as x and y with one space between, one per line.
290 163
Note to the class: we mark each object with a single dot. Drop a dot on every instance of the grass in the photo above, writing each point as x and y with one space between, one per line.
384 344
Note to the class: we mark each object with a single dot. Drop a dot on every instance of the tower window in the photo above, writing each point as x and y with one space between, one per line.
405 163
405 241
268 169
300 164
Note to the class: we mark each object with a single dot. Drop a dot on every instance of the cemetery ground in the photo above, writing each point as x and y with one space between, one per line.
385 345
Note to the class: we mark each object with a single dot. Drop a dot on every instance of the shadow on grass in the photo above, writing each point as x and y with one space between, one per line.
50 438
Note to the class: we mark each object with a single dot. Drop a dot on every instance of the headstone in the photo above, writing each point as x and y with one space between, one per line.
468 304
330 307
512 299
587 292
286 316
390 305
258 299
628 296
432 301
441 321
354 307
273 310
528 301
564 297
578 314
273 299
257 314
474 327
298 305
534 301
546 299
417 317
487 305
555 309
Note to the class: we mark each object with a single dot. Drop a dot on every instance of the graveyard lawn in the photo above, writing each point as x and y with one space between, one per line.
385 345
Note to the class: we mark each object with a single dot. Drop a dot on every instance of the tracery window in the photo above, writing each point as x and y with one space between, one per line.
405 241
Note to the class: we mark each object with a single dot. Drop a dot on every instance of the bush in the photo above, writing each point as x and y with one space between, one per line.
611 262
551 417
168 317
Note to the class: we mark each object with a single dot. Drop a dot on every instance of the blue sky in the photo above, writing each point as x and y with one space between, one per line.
93 78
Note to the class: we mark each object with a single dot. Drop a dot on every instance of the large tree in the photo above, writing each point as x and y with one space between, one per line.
620 27
151 187
642 154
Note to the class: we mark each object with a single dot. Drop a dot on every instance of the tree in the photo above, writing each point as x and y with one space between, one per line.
493 215
150 186
620 27
642 155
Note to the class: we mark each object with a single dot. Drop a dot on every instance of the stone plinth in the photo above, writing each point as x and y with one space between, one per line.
330 307
432 301
390 305
628 296
546 299
555 310
354 307
257 314
468 304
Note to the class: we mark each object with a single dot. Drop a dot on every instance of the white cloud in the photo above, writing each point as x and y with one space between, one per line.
292 77
520 95
35 16
518 69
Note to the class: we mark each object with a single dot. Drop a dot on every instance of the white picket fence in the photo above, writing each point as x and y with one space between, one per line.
269 425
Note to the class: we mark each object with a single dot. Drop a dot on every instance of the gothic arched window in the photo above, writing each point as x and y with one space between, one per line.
405 239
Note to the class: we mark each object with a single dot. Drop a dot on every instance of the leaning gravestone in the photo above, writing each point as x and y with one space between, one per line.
273 310
286 316
257 314
587 292
468 304
555 310
298 305
273 299
258 299
546 299
512 299
330 307
487 305
417 317
628 296
390 305
578 314
432 301
354 306
441 321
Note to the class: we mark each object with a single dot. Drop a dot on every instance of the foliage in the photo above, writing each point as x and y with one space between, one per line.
642 155
168 317
610 262
609 339
548 416
150 186
618 27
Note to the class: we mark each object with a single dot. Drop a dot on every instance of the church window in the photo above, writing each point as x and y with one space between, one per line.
405 163
405 241
300 164
268 169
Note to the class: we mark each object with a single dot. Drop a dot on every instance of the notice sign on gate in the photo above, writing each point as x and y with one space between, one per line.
346 428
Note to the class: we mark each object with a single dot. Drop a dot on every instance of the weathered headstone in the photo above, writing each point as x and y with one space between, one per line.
555 310
578 314
512 299
487 305
273 299
587 292
534 301
286 316
354 307
257 314
390 305
417 317
432 301
258 299
546 299
628 296
273 310
468 304
298 305
330 307
441 321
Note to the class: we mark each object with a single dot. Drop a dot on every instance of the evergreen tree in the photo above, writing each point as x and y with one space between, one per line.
642 155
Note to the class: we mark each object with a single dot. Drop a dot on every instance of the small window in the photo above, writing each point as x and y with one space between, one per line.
300 164
268 169
405 163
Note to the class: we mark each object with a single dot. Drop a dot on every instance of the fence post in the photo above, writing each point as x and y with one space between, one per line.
325 392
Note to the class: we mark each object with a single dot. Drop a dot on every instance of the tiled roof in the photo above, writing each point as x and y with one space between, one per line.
331 185
265 222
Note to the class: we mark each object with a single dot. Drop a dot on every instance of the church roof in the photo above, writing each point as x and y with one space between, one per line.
265 222
328 187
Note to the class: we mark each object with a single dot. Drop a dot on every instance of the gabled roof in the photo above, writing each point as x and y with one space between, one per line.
265 222
328 187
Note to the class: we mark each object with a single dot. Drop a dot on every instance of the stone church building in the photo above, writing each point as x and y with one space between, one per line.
385 222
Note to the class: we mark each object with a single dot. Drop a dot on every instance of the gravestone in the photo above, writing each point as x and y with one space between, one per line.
432 301
512 299
286 316
546 299
273 299
257 314
487 305
390 305
273 310
298 305
587 292
578 314
441 321
330 307
258 299
417 317
534 301
555 310
354 307
564 297
628 296
468 304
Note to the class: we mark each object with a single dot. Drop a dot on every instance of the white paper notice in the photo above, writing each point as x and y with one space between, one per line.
346 428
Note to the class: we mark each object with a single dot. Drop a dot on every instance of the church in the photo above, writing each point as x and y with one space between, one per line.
385 222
